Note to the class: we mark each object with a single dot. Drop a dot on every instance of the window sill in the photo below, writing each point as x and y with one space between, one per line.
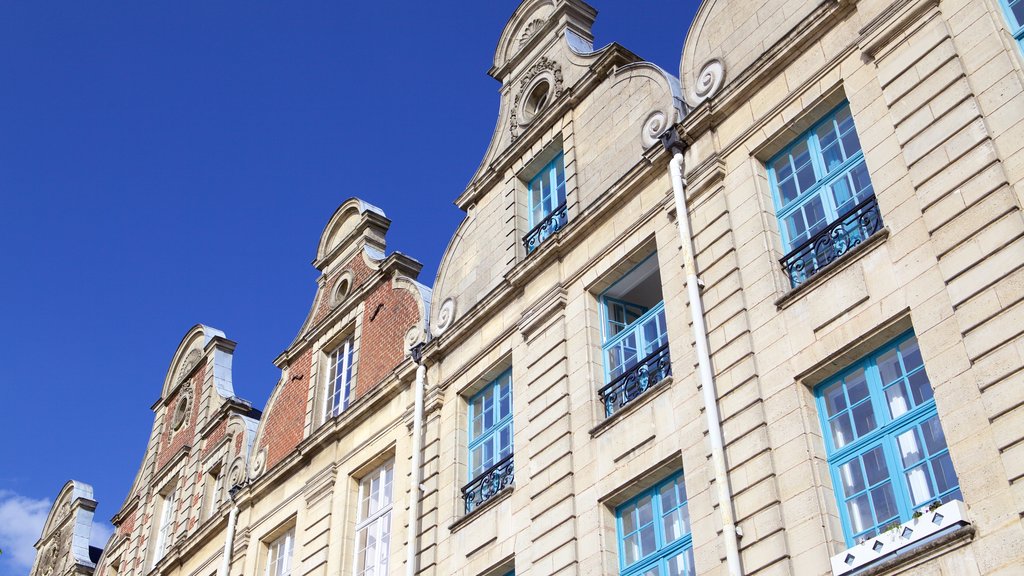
641 400
942 527
856 253
500 496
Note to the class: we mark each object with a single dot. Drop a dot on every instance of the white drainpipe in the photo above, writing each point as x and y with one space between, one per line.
417 464
225 565
707 379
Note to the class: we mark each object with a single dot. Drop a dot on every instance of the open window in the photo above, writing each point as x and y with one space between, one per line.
635 337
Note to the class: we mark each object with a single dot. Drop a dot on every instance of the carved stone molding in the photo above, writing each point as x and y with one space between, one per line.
544 67
530 30
190 361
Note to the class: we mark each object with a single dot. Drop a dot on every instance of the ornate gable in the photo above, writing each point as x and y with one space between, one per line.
63 549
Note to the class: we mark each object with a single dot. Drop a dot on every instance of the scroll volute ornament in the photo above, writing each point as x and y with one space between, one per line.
709 81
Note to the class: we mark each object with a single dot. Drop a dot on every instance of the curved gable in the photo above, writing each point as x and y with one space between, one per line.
728 36
63 549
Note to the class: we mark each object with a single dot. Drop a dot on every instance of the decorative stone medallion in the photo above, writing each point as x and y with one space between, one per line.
545 67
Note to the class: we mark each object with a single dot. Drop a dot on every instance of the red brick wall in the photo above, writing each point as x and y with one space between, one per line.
360 272
388 315
127 524
215 436
283 423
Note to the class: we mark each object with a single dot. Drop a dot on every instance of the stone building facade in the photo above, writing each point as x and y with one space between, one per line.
763 319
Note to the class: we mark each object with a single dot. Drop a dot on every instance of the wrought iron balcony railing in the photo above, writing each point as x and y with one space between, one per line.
551 223
652 369
488 483
831 243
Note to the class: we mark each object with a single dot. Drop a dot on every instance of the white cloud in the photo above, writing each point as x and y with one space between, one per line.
21 521
101 532
21 524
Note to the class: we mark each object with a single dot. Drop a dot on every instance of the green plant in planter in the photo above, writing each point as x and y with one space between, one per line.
894 525
934 506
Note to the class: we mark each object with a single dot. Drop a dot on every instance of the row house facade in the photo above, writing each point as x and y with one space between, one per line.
764 317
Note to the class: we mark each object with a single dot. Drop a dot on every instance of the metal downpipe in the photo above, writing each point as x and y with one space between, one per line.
730 532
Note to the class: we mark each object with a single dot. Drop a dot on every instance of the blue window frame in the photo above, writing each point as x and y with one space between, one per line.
654 532
886 449
490 440
635 336
546 199
1015 16
820 179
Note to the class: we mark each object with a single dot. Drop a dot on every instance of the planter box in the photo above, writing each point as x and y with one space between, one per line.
948 516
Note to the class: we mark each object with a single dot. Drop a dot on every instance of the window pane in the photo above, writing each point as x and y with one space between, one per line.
677 524
852 478
945 476
876 468
669 500
645 510
851 143
884 501
859 510
910 447
856 386
631 548
788 190
864 418
934 438
805 177
842 194
920 387
889 367
842 432
814 212
629 524
861 183
920 482
835 400
681 564
647 543
782 169
911 355
896 397
796 228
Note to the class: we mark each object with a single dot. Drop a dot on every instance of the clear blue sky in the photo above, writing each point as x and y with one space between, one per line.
166 163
